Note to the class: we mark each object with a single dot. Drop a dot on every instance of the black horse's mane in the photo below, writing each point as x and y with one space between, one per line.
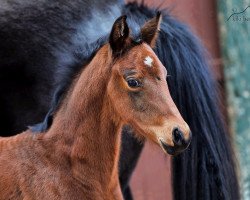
201 172
206 170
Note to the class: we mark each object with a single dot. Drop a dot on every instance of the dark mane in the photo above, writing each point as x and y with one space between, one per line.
202 171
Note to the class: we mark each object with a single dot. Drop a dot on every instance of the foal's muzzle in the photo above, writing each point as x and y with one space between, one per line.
180 143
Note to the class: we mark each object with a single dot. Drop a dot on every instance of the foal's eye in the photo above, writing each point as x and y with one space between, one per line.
133 83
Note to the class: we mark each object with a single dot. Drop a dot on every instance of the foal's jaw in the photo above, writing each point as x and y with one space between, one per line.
171 136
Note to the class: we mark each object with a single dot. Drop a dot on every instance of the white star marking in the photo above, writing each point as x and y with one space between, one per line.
148 61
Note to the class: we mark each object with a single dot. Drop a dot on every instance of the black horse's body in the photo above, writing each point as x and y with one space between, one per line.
42 46
37 39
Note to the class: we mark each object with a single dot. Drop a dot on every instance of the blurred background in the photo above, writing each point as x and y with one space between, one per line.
224 29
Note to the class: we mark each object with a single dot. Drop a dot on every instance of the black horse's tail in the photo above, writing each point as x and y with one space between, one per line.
206 170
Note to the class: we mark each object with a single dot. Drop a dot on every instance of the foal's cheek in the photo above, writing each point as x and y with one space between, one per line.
137 101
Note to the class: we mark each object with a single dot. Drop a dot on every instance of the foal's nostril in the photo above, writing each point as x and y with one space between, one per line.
178 137
180 143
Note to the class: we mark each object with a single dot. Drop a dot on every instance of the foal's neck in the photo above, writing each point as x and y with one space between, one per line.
87 125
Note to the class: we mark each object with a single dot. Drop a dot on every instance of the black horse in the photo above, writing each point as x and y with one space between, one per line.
43 44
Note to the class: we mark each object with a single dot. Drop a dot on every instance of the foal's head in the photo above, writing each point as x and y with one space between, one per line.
138 89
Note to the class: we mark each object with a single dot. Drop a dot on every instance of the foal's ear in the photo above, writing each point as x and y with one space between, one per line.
150 29
119 35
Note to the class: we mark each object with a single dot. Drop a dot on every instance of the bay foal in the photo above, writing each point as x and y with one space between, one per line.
77 158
